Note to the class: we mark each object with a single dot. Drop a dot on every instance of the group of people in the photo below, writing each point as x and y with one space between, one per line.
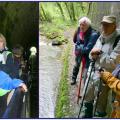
104 49
10 79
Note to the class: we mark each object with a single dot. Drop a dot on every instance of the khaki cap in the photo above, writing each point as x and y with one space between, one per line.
109 19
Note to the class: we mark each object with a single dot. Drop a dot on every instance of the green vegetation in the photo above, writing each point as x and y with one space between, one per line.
54 30
56 17
62 104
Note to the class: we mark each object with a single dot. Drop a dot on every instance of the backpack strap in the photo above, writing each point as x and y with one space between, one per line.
116 41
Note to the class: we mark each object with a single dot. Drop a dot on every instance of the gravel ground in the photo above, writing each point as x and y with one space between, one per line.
74 107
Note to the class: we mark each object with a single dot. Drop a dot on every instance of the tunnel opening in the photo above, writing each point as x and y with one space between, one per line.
19 23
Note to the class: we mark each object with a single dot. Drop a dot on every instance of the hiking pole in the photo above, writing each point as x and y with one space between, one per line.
98 94
25 102
97 97
79 87
92 63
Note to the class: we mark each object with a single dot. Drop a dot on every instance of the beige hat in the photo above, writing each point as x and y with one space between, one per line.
109 19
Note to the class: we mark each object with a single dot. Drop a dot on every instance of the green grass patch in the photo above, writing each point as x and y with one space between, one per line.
62 103
55 30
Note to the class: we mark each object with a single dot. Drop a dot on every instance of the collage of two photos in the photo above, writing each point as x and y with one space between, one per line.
19 81
79 59
59 59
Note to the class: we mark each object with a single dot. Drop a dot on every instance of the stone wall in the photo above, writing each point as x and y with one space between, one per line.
99 9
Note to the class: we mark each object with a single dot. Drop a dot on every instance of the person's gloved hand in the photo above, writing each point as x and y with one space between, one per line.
103 77
80 46
78 49
102 72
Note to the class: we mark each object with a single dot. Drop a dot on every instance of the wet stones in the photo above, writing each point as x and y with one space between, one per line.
55 42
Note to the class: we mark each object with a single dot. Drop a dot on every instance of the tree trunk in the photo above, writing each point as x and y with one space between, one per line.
41 16
89 7
73 12
82 7
61 10
67 7
43 11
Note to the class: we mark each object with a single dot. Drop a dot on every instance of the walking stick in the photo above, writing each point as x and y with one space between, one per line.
25 102
98 94
79 87
86 83
97 97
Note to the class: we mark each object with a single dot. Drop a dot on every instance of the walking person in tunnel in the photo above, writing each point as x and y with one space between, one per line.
8 73
84 38
19 63
108 44
34 93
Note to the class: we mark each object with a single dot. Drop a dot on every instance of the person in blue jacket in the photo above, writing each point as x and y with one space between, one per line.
84 38
8 80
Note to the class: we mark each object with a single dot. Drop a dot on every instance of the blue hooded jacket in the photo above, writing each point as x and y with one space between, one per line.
7 83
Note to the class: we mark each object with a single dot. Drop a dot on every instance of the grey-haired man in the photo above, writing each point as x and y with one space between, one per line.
109 58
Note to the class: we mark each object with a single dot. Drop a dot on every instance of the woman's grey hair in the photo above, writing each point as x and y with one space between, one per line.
85 20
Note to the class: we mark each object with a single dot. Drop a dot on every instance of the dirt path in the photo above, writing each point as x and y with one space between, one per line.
74 107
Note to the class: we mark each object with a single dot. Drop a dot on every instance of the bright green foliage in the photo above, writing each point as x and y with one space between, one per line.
55 11
62 104
56 17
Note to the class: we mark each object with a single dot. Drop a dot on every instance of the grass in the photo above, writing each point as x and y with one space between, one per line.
55 30
63 102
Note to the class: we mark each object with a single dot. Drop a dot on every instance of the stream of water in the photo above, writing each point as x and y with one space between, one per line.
49 76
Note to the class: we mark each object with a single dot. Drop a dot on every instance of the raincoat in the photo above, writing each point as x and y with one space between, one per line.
114 84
